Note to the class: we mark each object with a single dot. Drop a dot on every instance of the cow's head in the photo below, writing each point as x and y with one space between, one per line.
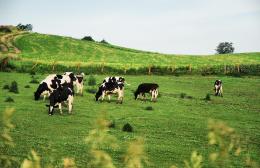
135 94
99 93
121 79
37 95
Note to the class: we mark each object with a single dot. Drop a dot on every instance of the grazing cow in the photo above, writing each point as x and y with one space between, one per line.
61 95
108 88
46 86
79 83
218 88
52 82
147 88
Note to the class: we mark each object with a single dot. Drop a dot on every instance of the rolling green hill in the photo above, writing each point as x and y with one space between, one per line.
66 50
40 52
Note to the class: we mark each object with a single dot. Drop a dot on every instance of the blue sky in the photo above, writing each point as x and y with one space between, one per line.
167 26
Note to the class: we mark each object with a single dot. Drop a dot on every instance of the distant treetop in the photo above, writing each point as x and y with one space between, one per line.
88 38
225 48
104 41
27 27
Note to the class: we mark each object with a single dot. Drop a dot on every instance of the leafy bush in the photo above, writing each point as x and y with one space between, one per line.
27 86
14 87
112 124
34 80
32 73
127 128
208 97
6 87
149 108
183 95
91 90
92 81
9 99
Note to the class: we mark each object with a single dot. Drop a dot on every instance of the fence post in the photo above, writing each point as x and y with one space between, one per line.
149 70
102 67
173 68
36 63
225 69
190 68
78 66
238 68
53 66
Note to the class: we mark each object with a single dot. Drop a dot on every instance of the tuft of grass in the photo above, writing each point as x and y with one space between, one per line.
112 124
149 108
207 98
14 87
185 96
34 80
9 99
32 73
91 90
127 128
92 81
27 86
6 87
182 95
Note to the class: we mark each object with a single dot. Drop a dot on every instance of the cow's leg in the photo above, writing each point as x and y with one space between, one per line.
103 95
153 95
120 97
81 90
70 102
51 110
109 97
60 108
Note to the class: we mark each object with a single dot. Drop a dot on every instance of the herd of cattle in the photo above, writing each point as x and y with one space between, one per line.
60 89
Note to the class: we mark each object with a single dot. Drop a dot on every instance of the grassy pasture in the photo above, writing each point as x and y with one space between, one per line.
172 130
51 48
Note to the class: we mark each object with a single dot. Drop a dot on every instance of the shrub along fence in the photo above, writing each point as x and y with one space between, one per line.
8 64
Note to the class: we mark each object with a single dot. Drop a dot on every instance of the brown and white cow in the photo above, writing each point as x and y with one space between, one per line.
218 88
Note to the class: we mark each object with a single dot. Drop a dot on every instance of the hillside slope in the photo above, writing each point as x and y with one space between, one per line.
66 50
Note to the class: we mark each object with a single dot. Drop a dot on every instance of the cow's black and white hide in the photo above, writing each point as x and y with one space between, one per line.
63 94
151 88
79 83
53 82
108 88
218 88
46 87
115 79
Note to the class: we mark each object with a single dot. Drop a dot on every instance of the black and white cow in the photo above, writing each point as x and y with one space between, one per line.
108 88
52 82
218 88
63 94
79 83
151 88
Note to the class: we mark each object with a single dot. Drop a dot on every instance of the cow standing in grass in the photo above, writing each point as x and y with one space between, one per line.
63 94
218 88
79 83
151 88
111 87
52 82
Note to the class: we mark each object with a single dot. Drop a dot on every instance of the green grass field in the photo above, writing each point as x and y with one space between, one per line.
171 131
50 48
